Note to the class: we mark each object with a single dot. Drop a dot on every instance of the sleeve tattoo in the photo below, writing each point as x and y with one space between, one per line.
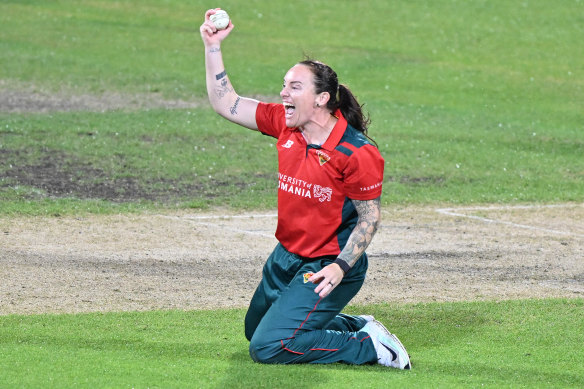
223 87
369 212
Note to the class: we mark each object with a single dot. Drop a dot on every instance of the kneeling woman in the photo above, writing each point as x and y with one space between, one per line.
330 177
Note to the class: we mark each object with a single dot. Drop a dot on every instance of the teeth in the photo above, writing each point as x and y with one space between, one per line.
289 108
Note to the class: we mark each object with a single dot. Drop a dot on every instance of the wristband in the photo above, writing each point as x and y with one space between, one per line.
343 264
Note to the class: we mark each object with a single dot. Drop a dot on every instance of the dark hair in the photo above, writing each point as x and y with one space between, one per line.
325 80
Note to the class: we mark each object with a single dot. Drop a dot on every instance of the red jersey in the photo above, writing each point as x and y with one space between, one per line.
316 183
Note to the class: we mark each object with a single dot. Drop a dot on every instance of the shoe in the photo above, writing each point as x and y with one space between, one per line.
390 351
368 318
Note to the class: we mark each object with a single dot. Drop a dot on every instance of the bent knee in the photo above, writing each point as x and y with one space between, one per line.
249 333
264 352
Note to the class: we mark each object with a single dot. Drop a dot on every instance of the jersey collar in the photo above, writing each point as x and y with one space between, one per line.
337 132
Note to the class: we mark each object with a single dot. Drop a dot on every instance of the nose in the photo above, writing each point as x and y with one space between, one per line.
284 92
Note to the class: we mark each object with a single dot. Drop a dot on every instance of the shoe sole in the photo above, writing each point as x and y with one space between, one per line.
403 355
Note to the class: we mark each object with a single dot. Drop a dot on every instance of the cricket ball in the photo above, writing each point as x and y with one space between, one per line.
220 19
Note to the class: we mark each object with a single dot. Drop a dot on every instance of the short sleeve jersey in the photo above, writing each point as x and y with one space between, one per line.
317 183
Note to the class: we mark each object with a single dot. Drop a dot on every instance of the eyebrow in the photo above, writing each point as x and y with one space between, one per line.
293 82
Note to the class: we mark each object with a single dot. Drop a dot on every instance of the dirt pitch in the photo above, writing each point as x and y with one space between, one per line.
214 259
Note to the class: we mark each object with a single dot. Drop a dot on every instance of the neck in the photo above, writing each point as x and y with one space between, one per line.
317 131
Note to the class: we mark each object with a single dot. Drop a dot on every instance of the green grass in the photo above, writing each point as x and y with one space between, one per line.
533 343
471 102
149 158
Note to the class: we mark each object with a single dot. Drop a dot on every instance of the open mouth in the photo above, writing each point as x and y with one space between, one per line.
289 108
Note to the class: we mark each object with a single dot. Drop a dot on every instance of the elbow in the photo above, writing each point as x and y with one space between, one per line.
224 106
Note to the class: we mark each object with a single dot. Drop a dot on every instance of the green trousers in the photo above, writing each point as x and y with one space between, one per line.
287 322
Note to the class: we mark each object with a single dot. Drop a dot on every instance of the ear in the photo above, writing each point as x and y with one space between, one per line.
323 98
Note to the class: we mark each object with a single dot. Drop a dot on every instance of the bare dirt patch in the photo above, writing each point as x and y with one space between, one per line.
58 175
212 260
30 99
24 98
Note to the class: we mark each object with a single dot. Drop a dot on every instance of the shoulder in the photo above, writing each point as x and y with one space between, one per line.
355 143
361 165
269 109
270 118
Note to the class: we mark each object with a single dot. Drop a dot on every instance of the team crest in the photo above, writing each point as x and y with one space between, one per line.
307 276
323 193
322 157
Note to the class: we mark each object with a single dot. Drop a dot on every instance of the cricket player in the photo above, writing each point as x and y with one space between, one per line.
329 186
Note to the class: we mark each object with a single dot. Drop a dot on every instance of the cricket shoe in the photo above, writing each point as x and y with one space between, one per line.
367 318
390 351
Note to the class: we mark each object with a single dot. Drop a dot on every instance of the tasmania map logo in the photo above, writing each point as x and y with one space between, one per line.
322 157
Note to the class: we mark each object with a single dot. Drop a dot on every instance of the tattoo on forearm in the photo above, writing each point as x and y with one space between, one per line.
369 216
214 50
221 75
233 109
223 89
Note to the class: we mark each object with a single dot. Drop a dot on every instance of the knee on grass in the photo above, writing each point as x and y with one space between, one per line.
264 352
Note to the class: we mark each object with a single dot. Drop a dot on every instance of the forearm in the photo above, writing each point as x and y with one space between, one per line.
367 224
221 94
223 98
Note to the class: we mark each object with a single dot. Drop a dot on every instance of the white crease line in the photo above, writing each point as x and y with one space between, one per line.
505 207
252 216
195 220
451 212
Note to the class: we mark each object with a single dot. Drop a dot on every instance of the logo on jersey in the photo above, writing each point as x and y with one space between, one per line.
303 188
307 276
371 187
288 144
323 194
322 157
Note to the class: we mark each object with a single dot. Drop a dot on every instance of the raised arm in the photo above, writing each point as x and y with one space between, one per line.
223 98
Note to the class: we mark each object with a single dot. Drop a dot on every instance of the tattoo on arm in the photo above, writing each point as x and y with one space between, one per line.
221 75
369 212
233 109
214 50
223 88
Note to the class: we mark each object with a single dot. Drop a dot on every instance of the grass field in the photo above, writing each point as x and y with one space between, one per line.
535 344
471 102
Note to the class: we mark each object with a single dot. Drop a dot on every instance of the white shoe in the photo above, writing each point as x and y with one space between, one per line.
390 351
367 318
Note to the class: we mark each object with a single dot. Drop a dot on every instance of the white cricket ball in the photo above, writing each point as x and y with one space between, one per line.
220 19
